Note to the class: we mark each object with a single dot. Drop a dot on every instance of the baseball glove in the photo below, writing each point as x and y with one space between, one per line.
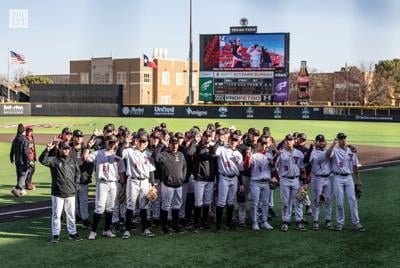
357 189
152 194
273 183
122 194
301 194
322 199
241 196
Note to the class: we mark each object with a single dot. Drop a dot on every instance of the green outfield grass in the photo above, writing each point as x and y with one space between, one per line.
368 133
26 242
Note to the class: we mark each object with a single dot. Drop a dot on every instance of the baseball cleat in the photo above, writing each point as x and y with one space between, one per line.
15 192
92 235
108 234
328 225
255 226
148 233
86 224
272 213
23 193
30 187
300 227
315 226
75 237
284 227
242 223
339 227
359 227
114 228
308 211
265 225
126 234
55 239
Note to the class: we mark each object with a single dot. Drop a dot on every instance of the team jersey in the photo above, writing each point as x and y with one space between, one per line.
343 160
290 163
138 164
107 165
320 163
260 165
230 162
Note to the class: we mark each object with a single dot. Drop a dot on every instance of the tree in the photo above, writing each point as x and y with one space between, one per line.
32 79
387 77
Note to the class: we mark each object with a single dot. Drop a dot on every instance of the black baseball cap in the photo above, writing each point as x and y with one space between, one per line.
174 140
302 136
64 145
295 135
155 135
289 137
163 125
193 132
220 131
320 137
217 124
256 132
77 133
341 136
112 138
109 127
179 135
66 130
234 137
262 140
207 133
143 138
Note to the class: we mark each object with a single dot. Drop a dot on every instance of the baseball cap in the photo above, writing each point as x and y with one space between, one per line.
193 132
174 140
77 133
179 135
64 145
28 128
302 136
295 135
262 140
232 128
266 131
256 132
238 132
341 136
220 131
112 138
234 137
163 125
155 135
289 137
217 124
320 137
109 127
66 130
143 138
207 133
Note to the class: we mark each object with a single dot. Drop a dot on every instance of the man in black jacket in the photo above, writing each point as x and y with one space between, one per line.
205 171
65 176
19 154
172 165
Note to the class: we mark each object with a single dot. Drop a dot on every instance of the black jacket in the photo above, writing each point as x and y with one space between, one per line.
204 161
85 167
20 150
172 166
65 174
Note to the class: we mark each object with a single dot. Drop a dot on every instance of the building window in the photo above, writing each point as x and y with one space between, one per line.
179 79
121 78
194 79
165 99
107 78
165 78
146 78
84 78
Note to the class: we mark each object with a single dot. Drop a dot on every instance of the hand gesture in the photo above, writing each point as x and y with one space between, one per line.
97 132
241 188
91 142
52 144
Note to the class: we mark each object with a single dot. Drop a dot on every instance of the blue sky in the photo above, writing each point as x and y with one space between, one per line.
325 33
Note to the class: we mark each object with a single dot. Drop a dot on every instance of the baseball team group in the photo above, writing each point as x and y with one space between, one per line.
185 181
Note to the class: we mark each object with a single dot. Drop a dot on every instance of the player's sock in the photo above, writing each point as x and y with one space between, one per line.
229 214
197 212
128 219
107 221
164 220
143 218
218 216
96 220
204 218
175 218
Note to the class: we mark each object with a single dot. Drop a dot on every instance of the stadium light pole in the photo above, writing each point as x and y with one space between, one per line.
190 100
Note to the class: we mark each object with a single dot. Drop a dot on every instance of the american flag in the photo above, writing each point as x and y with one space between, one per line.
17 58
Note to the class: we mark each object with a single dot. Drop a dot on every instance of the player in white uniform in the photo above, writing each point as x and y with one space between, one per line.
344 163
260 163
230 163
255 56
321 183
109 170
290 166
140 178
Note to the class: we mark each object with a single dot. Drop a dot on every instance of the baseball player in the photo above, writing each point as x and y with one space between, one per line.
249 143
19 154
230 163
65 176
86 168
32 157
205 168
320 182
260 163
140 177
344 163
109 169
172 165
290 167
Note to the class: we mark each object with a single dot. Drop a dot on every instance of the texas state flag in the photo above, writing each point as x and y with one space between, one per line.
148 63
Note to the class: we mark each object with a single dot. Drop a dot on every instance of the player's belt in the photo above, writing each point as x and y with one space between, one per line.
322 175
137 178
342 174
291 177
229 176
263 180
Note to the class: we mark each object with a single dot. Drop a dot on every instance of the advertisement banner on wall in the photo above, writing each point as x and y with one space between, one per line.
281 89
206 90
15 109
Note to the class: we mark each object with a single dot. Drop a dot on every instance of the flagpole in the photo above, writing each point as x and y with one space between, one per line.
8 76
191 99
